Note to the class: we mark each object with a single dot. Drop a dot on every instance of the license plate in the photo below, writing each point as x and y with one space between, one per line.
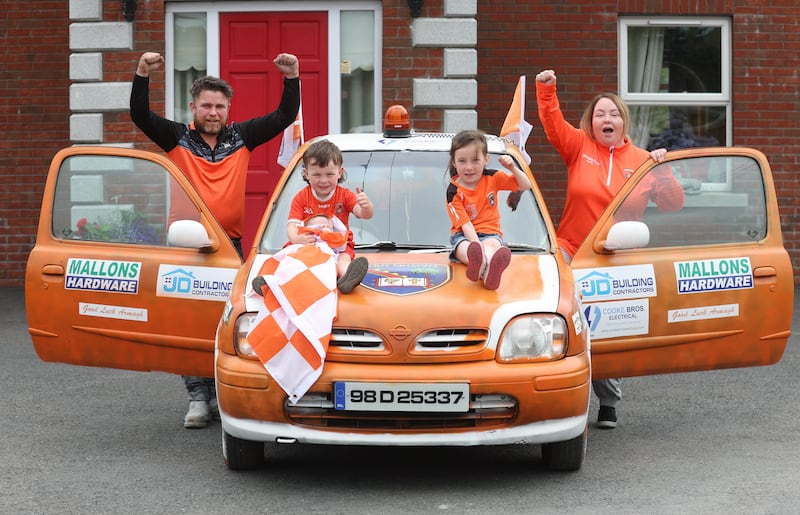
352 396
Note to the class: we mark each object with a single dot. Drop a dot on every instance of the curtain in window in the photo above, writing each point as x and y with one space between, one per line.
190 59
645 59
358 74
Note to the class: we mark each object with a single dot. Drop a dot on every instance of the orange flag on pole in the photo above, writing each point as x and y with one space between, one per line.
515 128
293 137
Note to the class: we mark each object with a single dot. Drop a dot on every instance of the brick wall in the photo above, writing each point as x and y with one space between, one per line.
34 85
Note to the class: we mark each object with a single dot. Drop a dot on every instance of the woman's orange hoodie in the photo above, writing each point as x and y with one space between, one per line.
594 172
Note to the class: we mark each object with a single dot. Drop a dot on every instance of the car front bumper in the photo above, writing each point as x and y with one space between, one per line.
550 404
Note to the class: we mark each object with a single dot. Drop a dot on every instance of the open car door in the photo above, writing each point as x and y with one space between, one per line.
700 284
130 270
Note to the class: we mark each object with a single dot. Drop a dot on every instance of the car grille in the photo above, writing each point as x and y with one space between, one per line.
468 340
316 409
355 339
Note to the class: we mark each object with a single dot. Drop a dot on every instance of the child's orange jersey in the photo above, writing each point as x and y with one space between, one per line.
478 206
340 205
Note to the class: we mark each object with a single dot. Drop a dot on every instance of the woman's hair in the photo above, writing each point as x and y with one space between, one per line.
588 113
463 139
323 152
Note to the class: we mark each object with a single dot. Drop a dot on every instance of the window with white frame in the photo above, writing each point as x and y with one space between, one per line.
675 75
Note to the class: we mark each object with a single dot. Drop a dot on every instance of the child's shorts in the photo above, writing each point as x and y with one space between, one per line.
457 238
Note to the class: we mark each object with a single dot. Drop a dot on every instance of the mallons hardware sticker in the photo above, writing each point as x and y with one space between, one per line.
102 275
714 275
616 282
620 318
195 282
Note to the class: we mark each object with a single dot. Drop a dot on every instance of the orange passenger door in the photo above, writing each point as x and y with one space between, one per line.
702 287
130 270
248 44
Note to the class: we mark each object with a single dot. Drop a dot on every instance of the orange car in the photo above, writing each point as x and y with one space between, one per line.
417 354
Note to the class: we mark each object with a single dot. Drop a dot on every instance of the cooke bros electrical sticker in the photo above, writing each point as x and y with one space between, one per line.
618 318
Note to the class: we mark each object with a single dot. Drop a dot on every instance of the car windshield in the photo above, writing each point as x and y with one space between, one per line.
407 189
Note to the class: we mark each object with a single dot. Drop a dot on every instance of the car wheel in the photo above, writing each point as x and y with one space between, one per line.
242 454
568 455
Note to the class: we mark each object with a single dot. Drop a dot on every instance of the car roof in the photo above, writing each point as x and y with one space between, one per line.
419 141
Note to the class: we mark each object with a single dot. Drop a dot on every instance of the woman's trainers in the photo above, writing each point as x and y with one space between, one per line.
607 417
353 275
474 260
494 271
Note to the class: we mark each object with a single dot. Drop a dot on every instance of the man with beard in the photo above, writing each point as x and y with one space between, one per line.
214 156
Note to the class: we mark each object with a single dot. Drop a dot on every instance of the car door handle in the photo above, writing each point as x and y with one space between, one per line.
53 270
764 271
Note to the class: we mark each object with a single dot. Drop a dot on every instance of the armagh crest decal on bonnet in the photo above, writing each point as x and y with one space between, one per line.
405 279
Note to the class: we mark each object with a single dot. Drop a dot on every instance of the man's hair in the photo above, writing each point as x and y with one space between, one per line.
322 153
209 83
463 139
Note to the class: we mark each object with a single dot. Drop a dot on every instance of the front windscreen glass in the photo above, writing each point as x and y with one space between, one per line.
408 189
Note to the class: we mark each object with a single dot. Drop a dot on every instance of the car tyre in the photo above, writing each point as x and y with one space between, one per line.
566 456
242 454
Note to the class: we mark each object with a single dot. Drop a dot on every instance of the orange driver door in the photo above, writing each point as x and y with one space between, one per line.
129 269
703 285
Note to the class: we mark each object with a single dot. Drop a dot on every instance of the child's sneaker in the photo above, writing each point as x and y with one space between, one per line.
258 283
353 276
474 260
494 272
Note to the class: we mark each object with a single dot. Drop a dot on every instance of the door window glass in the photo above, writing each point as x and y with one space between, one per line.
708 216
117 199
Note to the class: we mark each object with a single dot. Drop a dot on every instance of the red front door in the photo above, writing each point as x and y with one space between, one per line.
248 44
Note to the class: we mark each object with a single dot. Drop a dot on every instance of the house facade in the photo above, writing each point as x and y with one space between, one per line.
716 72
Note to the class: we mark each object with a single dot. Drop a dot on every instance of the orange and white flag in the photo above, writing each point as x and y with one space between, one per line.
293 137
292 330
515 128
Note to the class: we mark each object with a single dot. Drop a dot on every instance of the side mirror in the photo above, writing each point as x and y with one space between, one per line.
627 235
187 233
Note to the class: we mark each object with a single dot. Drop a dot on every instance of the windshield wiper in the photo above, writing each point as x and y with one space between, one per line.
525 246
390 246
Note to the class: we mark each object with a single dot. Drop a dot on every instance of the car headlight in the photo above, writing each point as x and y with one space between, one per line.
533 338
243 325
